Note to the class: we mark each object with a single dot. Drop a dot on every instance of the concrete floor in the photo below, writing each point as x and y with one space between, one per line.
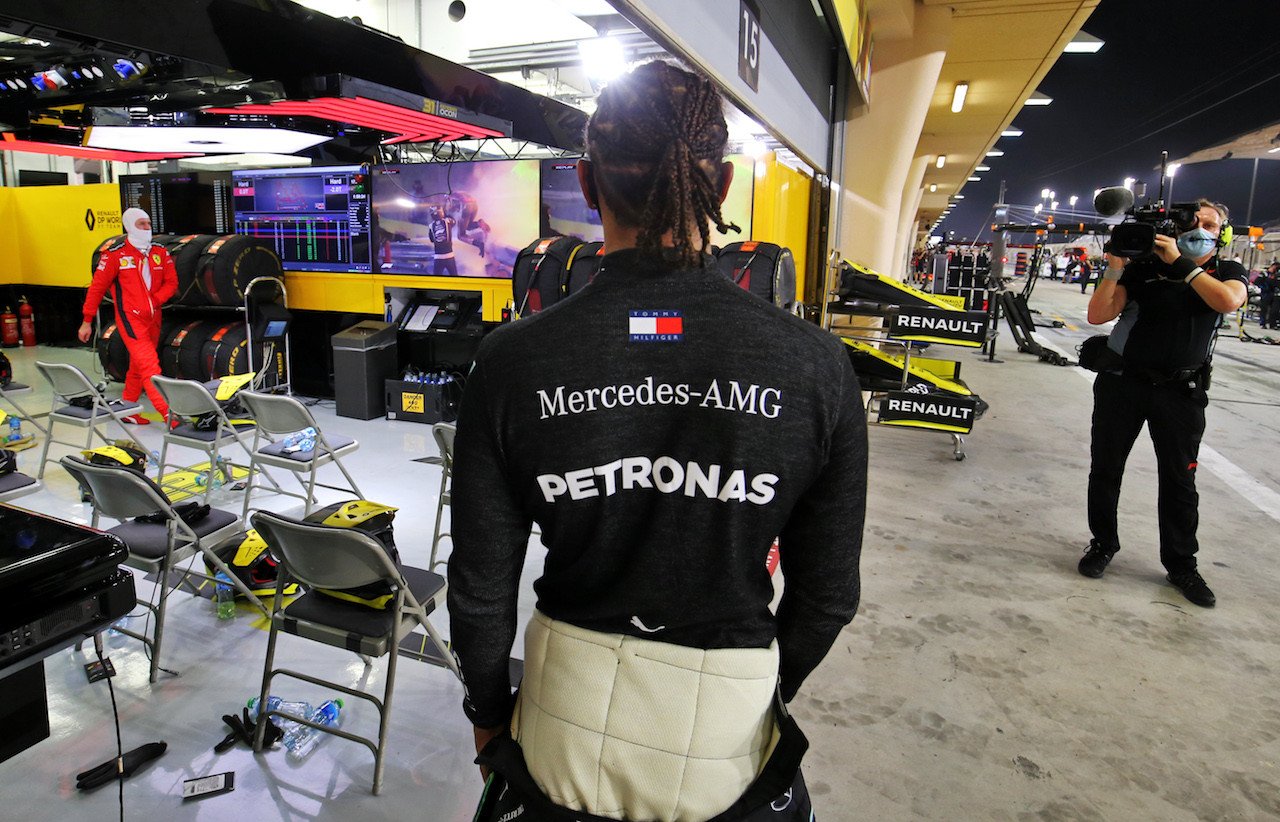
983 679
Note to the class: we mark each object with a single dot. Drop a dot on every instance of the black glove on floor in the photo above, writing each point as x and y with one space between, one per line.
121 768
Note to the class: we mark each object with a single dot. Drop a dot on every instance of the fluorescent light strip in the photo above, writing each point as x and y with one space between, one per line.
957 99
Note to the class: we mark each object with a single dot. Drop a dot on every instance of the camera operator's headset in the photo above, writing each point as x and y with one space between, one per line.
1226 234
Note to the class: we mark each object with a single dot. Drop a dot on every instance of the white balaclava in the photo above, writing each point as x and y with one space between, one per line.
139 238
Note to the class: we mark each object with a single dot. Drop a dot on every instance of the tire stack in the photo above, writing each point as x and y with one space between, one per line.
199 338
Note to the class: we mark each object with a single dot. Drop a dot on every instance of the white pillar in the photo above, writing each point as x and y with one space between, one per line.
880 139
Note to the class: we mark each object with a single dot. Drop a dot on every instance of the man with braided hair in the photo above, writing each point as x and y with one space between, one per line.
669 428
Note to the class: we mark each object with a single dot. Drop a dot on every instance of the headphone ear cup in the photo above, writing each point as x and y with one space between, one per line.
1224 236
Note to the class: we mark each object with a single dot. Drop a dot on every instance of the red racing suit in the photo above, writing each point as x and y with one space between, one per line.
137 309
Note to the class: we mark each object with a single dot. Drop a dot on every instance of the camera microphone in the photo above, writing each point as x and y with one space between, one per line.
1113 200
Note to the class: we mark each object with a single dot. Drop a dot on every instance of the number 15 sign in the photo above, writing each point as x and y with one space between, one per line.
749 45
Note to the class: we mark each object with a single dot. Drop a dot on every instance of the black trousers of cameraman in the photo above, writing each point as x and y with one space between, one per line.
1174 414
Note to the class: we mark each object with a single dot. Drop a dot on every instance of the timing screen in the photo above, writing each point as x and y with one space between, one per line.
316 220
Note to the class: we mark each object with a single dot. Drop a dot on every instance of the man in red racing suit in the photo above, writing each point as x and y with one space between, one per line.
141 278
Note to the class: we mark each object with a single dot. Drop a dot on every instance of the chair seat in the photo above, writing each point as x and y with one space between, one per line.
149 540
16 482
339 445
352 626
15 388
84 414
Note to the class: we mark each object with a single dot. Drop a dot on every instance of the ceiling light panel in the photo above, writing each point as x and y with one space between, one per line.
203 140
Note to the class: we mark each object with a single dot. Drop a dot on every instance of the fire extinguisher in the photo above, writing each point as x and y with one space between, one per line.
9 322
27 323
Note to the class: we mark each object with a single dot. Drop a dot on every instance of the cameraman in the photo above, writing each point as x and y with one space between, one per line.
1169 304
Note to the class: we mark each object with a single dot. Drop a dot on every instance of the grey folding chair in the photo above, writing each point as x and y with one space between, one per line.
444 433
156 547
192 400
70 383
278 415
323 557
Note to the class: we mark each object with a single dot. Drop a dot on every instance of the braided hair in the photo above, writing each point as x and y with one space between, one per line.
657 143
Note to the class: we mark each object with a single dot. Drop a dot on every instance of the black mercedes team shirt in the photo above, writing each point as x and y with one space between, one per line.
1165 325
661 427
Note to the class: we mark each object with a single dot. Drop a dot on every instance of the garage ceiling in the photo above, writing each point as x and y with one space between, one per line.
1002 49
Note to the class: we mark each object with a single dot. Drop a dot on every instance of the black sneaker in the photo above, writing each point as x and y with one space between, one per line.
1192 586
1095 560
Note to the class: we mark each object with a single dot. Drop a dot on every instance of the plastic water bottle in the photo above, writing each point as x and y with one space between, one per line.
15 427
274 703
301 740
225 593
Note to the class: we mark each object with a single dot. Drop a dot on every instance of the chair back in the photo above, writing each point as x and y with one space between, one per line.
277 413
117 491
186 398
445 432
325 556
67 380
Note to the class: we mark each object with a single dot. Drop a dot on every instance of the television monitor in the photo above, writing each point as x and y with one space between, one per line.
316 219
184 202
564 210
457 219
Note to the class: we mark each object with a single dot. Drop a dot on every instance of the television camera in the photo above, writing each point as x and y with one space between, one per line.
1136 236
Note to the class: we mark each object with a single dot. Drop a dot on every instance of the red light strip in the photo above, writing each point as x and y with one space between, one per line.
10 143
407 124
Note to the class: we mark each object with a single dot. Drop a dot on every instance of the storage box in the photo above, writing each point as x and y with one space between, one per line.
420 402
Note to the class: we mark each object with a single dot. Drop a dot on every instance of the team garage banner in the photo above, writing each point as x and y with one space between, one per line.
937 325
939 412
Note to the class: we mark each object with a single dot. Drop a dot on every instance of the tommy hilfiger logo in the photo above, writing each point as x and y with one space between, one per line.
655 326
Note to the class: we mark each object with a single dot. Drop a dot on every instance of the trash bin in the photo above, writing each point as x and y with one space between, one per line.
364 358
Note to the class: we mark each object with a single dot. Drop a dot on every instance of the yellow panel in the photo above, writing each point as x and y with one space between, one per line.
765 202
57 228
362 293
781 212
793 219
11 271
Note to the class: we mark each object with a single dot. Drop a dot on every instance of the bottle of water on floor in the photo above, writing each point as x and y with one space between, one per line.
15 427
225 594
301 740
275 703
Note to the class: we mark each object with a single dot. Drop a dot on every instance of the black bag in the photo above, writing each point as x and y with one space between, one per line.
1096 355
190 512
584 265
765 269
537 277
6 371
8 461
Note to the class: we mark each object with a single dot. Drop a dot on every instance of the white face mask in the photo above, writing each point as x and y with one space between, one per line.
139 238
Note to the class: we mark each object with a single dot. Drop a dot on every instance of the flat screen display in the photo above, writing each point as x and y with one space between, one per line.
316 219
564 210
455 219
187 202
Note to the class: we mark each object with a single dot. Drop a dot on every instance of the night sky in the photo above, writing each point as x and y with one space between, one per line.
1173 75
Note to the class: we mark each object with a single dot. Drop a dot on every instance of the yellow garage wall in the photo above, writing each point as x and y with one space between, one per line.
781 211
11 270
362 293
49 227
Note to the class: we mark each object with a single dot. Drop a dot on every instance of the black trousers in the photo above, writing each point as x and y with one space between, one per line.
1174 414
